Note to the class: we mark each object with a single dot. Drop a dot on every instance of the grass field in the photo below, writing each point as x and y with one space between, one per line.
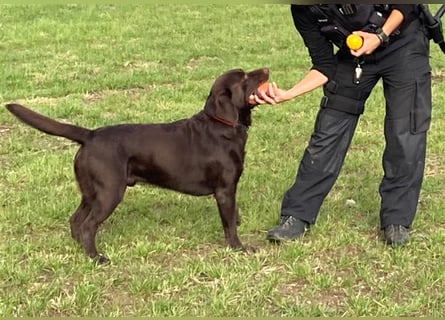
107 64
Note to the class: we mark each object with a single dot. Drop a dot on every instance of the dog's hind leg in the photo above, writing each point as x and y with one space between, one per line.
106 200
238 218
77 218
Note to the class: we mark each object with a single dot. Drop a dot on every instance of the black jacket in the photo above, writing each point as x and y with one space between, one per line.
321 50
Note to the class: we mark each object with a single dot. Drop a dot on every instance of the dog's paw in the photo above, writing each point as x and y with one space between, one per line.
101 260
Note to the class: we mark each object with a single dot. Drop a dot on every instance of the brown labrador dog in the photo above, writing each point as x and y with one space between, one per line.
202 155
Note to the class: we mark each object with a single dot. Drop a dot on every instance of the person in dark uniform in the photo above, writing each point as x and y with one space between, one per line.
397 52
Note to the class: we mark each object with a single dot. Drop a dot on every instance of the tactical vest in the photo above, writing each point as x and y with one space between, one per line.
337 21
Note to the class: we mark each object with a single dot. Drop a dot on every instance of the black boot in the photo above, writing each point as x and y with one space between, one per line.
395 235
289 228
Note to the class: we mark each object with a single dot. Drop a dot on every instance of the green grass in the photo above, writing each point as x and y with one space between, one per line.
106 64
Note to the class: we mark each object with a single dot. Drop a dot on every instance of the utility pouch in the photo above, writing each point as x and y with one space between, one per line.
336 33
376 20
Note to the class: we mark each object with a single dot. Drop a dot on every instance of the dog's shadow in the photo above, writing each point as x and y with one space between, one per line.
156 215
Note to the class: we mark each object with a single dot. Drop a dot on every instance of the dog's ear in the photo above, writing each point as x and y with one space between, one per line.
222 106
225 108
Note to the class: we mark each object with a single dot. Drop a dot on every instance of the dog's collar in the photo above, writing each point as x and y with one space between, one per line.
225 121
233 124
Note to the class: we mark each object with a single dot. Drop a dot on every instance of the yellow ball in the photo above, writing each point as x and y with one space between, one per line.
354 42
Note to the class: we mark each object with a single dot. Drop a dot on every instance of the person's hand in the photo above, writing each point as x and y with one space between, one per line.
272 95
370 42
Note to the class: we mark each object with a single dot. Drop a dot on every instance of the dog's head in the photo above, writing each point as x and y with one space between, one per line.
229 97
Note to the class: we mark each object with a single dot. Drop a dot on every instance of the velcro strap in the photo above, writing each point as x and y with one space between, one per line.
351 93
343 104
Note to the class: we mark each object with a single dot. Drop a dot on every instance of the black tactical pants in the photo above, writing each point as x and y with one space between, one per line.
407 89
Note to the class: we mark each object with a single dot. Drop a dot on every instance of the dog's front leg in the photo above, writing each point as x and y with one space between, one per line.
226 200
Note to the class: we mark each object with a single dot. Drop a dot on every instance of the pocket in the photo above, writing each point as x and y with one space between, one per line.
420 115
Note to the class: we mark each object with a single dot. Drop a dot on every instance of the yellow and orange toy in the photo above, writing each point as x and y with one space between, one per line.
264 87
354 41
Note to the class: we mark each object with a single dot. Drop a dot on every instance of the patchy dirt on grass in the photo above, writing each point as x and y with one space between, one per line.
92 97
4 130
433 166
438 75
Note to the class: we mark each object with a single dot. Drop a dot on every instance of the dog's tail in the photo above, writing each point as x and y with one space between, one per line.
50 126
